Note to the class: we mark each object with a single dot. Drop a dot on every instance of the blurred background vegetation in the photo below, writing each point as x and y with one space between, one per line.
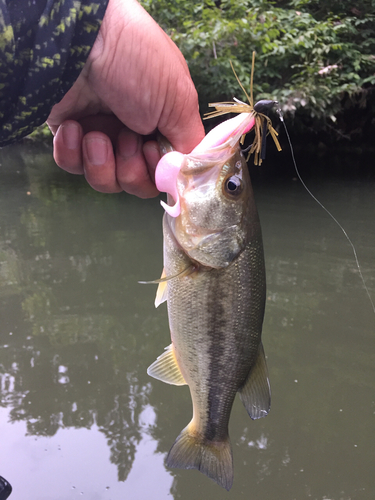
317 58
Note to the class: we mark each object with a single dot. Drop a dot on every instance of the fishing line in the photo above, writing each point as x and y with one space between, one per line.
279 112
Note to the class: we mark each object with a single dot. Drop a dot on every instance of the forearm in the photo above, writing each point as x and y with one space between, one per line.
43 49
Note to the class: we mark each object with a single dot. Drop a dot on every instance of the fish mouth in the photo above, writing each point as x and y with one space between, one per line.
215 148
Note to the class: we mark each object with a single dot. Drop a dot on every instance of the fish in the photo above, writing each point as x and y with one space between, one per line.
214 285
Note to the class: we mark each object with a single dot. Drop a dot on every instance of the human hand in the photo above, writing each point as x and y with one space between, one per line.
135 82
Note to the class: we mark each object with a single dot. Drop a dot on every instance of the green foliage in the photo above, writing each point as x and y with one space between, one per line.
316 58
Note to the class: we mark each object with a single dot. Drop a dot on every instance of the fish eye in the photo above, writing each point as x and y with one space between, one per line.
233 185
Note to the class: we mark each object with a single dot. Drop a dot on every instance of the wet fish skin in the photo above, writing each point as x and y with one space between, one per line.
215 313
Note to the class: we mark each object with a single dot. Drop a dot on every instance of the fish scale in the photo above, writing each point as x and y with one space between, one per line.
219 340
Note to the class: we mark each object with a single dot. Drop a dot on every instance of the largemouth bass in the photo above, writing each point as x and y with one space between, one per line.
214 284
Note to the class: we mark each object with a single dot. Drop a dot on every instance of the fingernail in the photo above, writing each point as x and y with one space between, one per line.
71 136
129 146
97 151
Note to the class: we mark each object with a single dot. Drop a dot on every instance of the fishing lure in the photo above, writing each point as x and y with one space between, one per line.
263 125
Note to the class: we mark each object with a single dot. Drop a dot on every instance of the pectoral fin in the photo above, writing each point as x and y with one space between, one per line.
162 291
185 272
166 369
255 394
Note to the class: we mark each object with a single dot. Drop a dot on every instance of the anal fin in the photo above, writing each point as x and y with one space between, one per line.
166 369
255 394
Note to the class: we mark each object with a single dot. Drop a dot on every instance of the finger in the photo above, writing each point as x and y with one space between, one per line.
152 156
181 123
131 168
110 125
67 143
99 163
67 150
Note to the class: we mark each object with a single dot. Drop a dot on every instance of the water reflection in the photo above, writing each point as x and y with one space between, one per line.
77 333
70 348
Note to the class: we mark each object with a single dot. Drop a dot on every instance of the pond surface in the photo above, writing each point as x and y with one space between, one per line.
80 418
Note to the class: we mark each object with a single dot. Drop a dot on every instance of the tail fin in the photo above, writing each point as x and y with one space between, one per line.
213 458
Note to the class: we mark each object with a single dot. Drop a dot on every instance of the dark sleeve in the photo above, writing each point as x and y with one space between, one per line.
44 45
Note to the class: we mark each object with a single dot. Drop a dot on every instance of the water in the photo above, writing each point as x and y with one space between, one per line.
80 418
